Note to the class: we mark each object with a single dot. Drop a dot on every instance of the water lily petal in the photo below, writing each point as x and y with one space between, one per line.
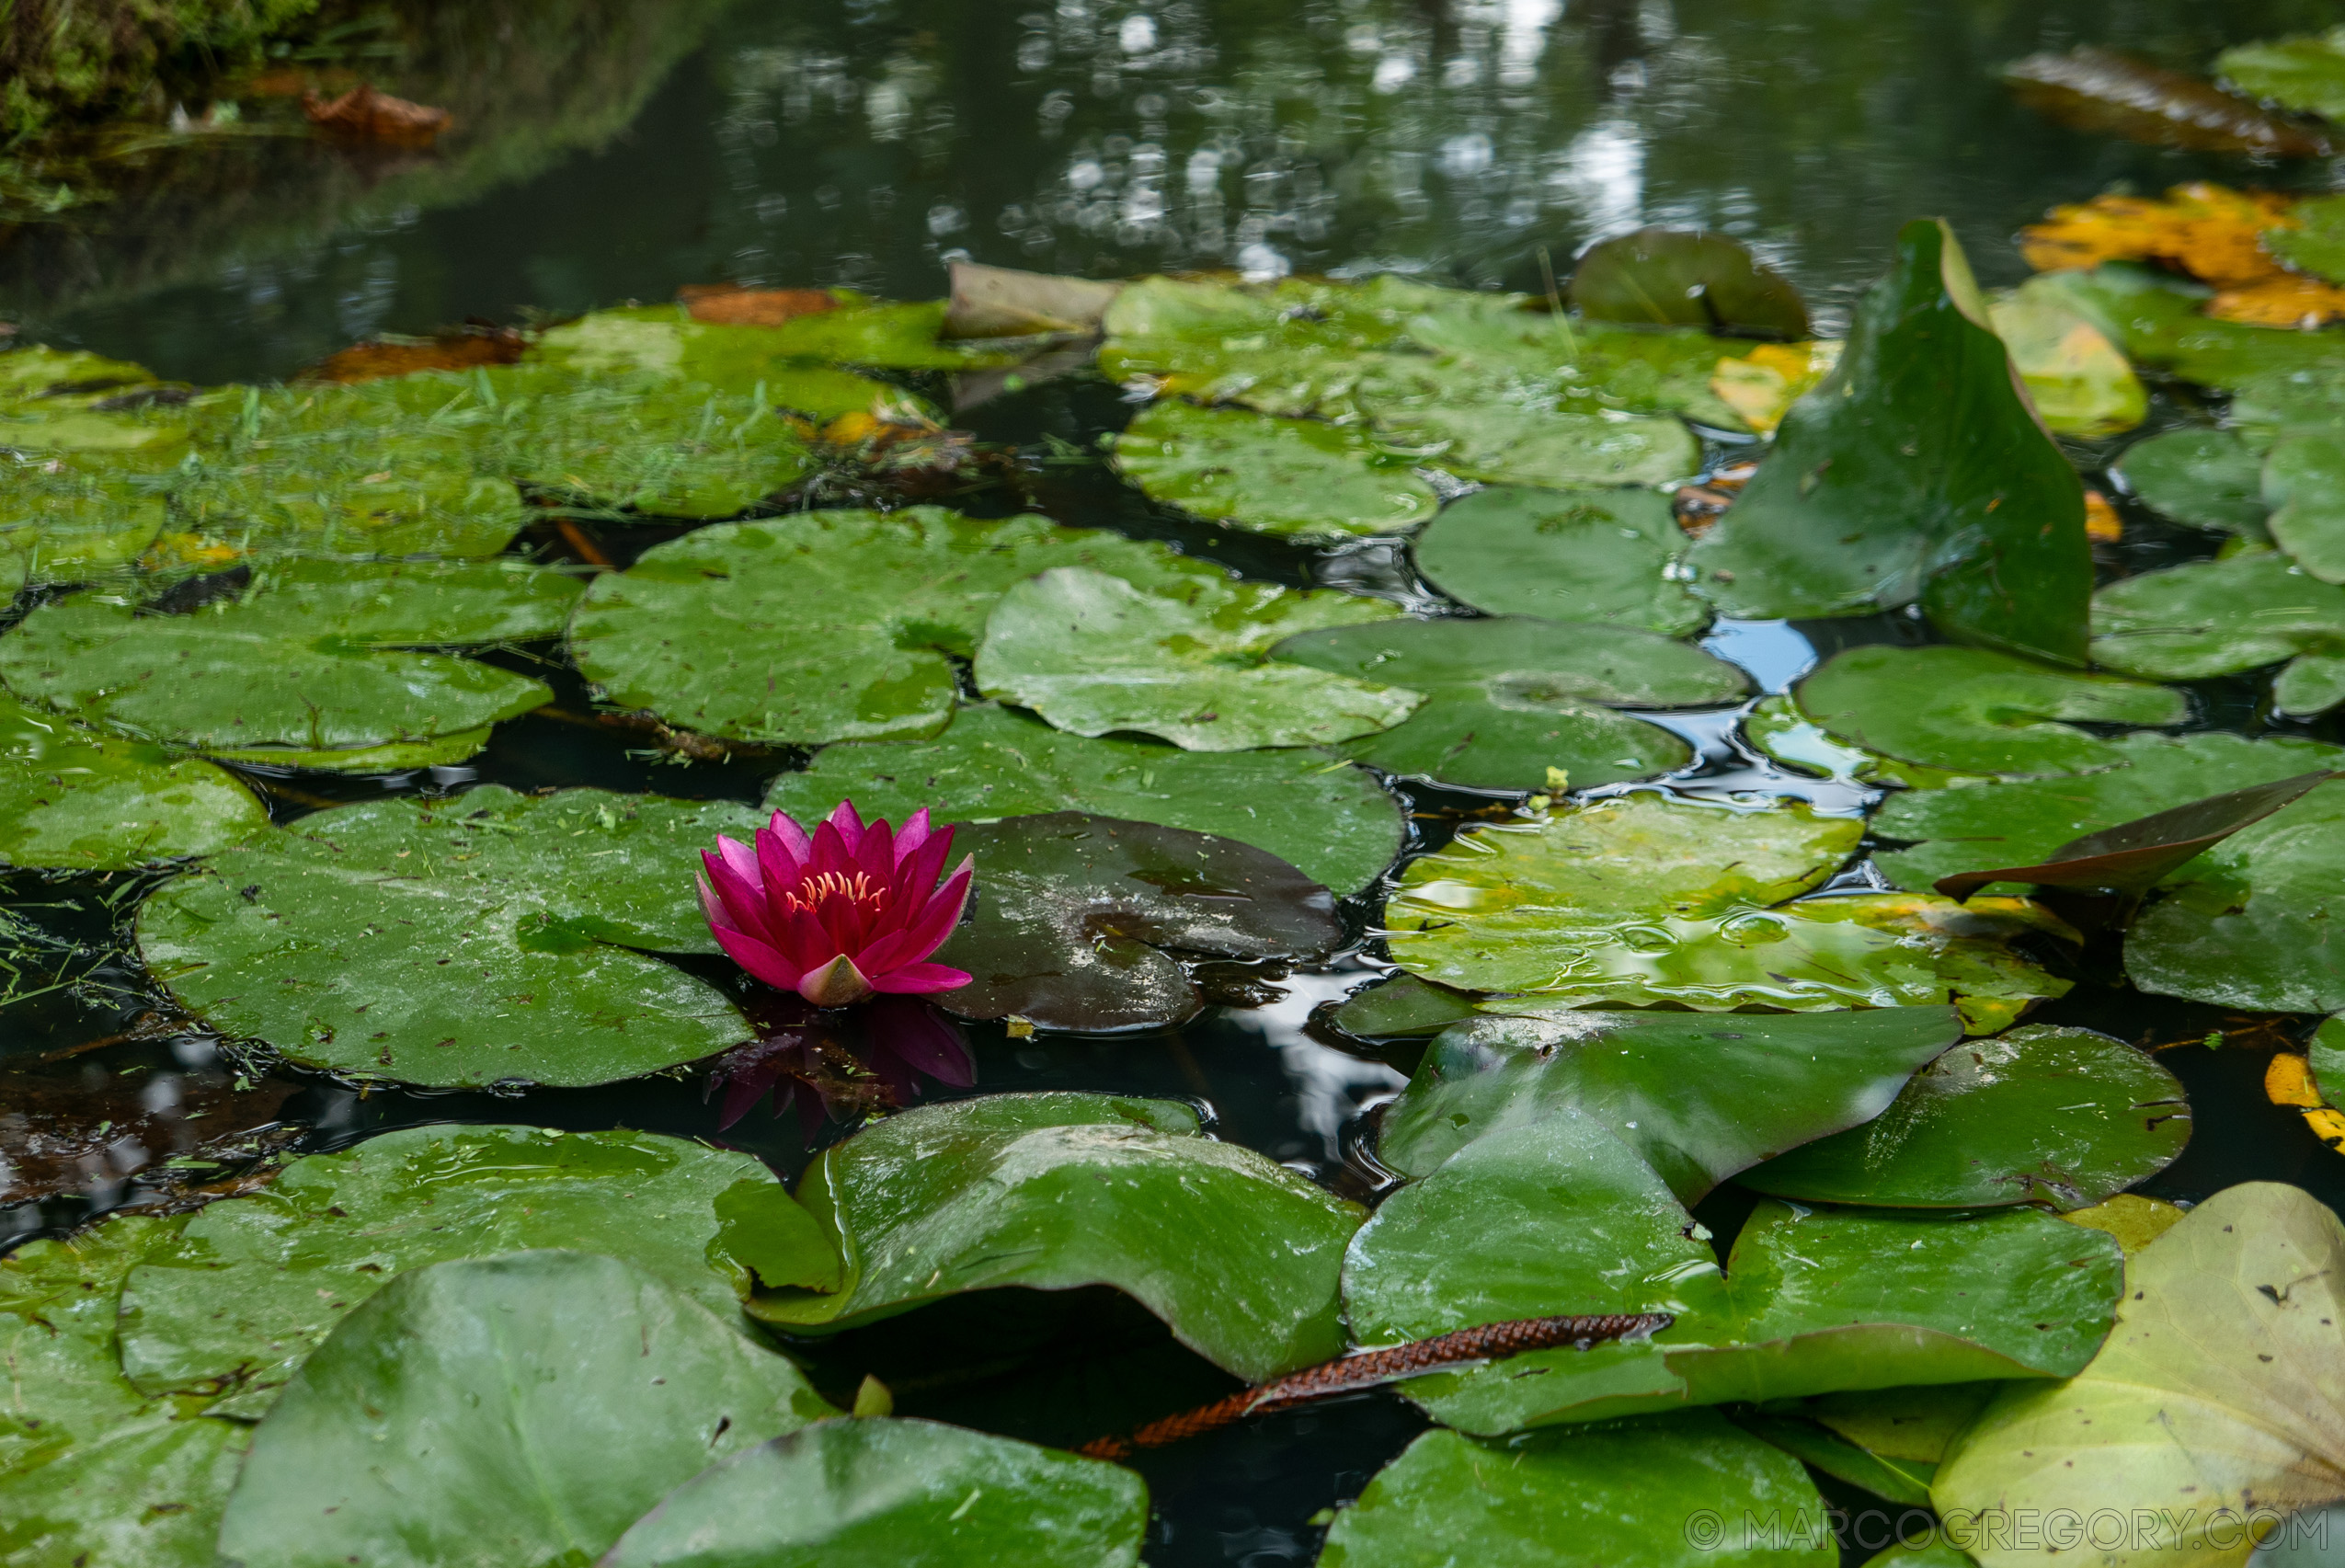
849 823
943 913
916 873
780 866
802 939
742 900
741 857
918 980
759 959
875 856
829 854
912 834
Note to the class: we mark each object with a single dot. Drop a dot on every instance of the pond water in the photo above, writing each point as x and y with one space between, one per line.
865 144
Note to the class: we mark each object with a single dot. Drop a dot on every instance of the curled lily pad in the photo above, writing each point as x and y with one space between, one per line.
539 1402
1886 487
2134 856
1969 710
230 1307
2024 822
2306 72
1302 478
879 1493
1509 698
1239 1256
2253 921
1073 915
1621 1496
1334 822
71 797
1565 555
2218 1397
89 1467
2205 478
1553 1216
828 625
2302 479
249 674
2063 1117
1093 654
487 937
1697 1097
2221 617
1686 278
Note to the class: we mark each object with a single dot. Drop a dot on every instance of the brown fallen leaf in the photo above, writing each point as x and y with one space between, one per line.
2097 91
2288 1081
2101 522
730 305
458 350
365 115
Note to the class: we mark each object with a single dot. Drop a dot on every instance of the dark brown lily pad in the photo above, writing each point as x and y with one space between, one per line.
1077 919
2096 91
2132 857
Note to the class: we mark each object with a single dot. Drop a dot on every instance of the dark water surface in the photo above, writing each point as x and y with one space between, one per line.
862 143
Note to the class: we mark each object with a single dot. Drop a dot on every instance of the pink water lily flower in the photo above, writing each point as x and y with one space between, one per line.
842 914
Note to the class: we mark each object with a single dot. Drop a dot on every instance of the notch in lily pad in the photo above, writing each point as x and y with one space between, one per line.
2132 857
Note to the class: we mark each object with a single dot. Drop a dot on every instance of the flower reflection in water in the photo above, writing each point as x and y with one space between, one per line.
841 1064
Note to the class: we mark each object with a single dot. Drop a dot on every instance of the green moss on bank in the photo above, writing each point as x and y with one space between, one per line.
67 61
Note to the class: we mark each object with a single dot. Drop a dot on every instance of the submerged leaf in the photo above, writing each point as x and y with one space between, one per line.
1565 554
1239 1256
493 1413
1300 479
1983 827
1973 711
1686 278
1623 1496
2224 617
250 674
2097 90
1698 1098
76 799
2253 921
1509 699
2218 1400
1916 473
231 1307
2061 1116
889 1493
484 938
1093 654
1072 912
828 625
1306 807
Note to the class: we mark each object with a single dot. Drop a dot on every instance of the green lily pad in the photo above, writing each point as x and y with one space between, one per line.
1501 440
2302 479
2317 245
2327 1056
2021 822
1686 278
2269 407
236 1304
1973 711
2218 1399
2224 617
1332 822
1401 1005
90 1469
1916 473
1495 349
1093 653
1637 1496
1777 727
1239 1256
1567 555
1821 1448
488 937
1558 1215
1072 913
2078 380
1698 1098
2253 921
828 625
2157 318
885 1494
251 674
2205 478
507 1411
74 798
55 401
1303 479
664 342
1508 698
2060 1116
66 521
1919 1424
2303 73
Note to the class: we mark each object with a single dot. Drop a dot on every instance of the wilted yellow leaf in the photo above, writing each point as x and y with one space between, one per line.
2283 300
2207 230
1761 384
